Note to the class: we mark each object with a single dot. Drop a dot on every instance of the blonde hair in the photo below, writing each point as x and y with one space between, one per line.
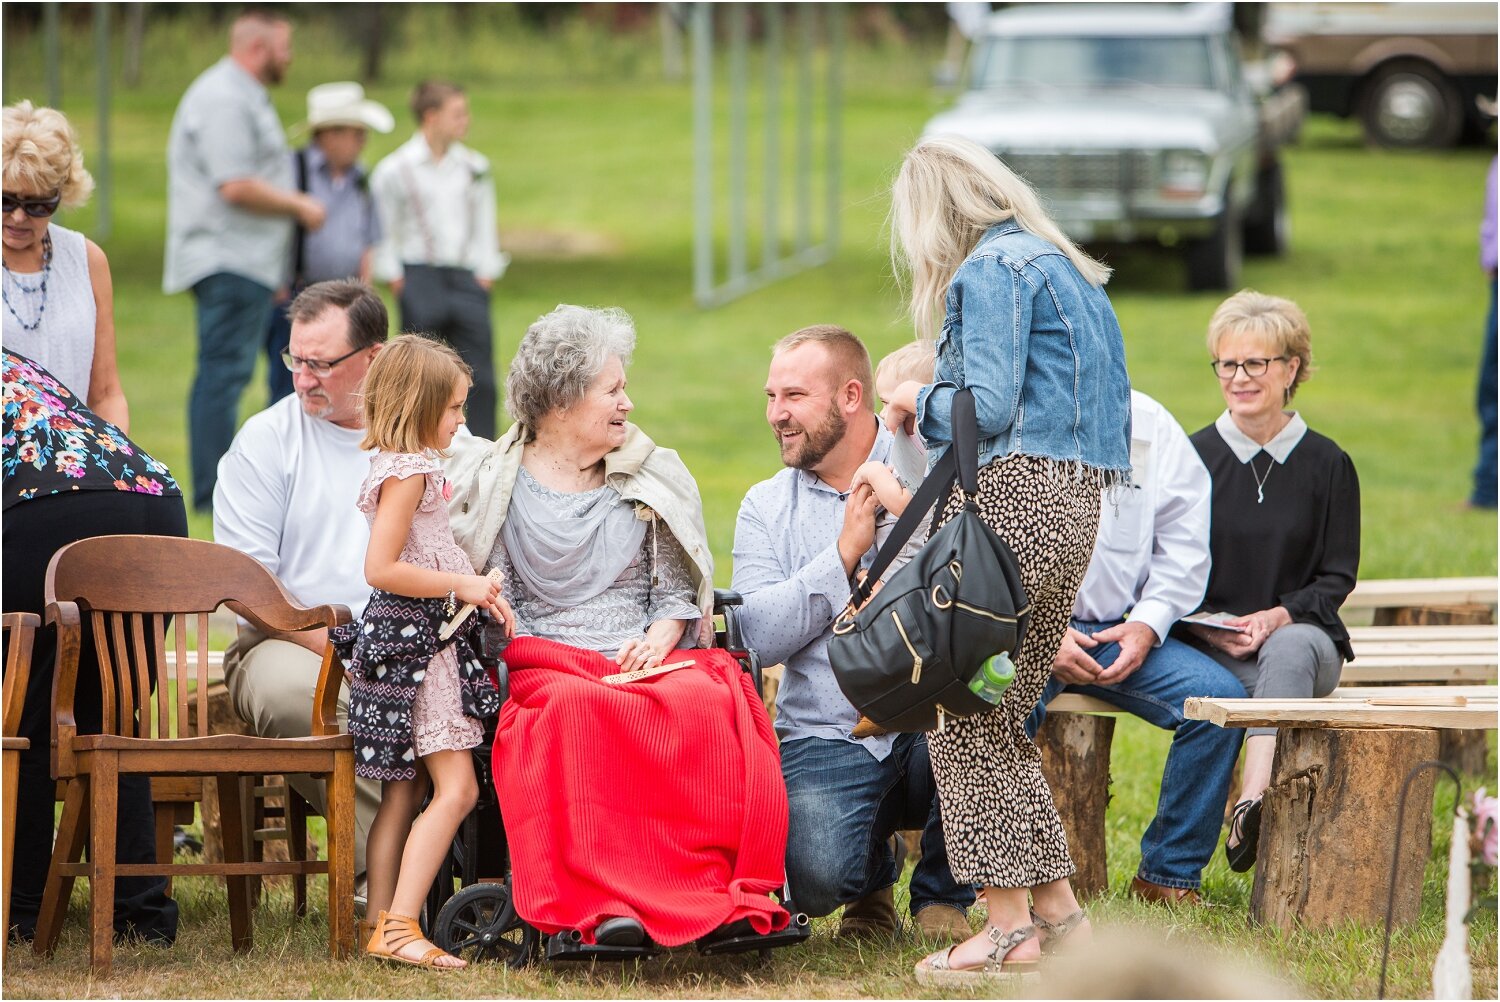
407 389
914 360
1279 322
851 360
41 155
948 193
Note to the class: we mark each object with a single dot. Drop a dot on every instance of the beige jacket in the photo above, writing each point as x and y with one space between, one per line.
483 473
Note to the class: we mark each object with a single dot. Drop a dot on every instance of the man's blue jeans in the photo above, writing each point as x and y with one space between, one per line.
845 805
233 313
1200 764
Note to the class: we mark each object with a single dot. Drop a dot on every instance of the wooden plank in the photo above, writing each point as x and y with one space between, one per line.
1473 692
1383 633
1077 702
1386 594
190 663
1336 713
1398 671
1480 649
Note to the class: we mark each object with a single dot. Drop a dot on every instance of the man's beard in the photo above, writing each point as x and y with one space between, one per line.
316 404
809 449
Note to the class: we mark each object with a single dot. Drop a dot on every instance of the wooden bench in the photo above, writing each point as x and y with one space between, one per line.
1079 731
1329 817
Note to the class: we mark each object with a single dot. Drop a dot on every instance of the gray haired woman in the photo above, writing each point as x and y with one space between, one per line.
598 531
599 535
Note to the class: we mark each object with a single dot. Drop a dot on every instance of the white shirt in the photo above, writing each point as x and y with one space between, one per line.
286 495
436 212
1151 556
1246 448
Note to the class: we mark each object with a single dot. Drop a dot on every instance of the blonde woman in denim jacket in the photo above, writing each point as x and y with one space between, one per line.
1027 327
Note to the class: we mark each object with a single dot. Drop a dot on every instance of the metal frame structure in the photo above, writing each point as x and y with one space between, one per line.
777 259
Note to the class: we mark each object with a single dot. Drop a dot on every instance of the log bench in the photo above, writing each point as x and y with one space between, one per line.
1079 730
1329 817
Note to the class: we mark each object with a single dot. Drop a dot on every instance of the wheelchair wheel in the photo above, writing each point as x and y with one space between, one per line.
480 923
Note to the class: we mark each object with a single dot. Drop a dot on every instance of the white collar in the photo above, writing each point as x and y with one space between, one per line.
1245 448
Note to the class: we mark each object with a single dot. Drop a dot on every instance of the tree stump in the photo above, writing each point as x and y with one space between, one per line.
1465 750
1075 759
1328 827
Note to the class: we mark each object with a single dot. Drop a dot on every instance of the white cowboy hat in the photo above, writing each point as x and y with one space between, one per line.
344 103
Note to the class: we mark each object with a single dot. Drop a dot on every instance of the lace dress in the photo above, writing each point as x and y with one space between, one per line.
438 719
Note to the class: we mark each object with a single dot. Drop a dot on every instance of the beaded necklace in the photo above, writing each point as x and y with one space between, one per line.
11 278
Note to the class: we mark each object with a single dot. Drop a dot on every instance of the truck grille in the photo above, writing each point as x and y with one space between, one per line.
1079 173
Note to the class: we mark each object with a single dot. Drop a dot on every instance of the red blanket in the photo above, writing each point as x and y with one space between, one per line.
660 799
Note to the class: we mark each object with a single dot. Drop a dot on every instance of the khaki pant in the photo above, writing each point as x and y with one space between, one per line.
271 684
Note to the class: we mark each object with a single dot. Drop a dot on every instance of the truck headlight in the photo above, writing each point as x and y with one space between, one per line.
1184 174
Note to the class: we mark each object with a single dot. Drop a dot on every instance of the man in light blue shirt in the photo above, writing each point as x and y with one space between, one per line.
230 208
798 538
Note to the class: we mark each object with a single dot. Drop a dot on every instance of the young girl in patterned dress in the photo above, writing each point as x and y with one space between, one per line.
415 701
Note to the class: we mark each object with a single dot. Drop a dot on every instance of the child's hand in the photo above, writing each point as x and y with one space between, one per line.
476 589
868 473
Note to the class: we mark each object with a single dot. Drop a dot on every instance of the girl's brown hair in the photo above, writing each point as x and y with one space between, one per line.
406 391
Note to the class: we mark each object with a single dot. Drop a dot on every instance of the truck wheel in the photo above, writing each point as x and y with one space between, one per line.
1268 228
1213 263
1411 104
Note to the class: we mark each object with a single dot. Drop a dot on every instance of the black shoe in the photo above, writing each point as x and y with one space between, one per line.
1245 823
620 931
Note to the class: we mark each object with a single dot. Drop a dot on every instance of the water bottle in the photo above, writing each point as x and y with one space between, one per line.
994 676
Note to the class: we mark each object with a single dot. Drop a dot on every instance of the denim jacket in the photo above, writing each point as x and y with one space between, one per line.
1042 351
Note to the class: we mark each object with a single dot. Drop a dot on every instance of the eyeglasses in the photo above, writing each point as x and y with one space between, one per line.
36 208
1226 367
316 366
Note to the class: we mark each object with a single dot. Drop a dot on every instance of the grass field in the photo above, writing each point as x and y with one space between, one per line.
592 154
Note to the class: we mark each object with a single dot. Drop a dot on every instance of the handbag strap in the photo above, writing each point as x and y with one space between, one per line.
964 453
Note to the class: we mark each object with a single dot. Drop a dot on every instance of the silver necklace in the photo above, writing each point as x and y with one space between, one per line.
1260 481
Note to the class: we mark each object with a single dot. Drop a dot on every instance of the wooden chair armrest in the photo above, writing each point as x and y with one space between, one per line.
325 716
69 623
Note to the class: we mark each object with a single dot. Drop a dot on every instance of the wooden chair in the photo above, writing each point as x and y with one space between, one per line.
20 630
130 590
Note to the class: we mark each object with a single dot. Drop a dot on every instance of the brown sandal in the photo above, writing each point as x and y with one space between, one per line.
392 932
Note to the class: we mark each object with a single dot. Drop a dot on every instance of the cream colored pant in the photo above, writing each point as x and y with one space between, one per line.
271 683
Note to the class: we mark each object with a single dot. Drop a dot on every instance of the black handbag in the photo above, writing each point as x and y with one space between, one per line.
905 660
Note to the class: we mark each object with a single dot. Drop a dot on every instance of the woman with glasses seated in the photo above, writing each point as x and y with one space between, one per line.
59 300
1285 536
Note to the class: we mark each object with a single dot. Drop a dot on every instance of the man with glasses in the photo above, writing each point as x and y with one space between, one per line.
286 495
231 204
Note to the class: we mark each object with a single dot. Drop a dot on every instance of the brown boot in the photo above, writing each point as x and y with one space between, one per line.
872 916
943 924
1160 894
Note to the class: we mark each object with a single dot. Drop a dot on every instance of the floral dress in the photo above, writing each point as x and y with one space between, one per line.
438 719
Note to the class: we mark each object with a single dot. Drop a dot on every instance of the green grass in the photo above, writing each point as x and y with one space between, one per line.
591 146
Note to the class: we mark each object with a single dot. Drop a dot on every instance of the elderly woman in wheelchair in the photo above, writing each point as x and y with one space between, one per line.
635 770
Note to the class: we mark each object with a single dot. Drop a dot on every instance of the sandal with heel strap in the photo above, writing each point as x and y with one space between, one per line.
1245 823
392 932
1055 933
936 970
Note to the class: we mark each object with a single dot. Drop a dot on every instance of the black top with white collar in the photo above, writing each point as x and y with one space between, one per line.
1299 546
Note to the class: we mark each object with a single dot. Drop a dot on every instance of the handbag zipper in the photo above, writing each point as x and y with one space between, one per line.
916 659
990 615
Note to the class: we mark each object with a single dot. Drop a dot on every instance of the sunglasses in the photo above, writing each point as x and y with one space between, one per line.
36 208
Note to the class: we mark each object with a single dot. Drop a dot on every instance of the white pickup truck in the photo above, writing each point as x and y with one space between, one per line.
1136 122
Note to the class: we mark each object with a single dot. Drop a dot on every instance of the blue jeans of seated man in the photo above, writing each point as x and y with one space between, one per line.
1200 764
845 805
1483 495
233 314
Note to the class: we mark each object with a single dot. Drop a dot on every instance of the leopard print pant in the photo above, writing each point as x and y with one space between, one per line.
999 822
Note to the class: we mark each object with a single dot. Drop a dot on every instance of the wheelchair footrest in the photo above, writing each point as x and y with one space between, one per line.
571 947
745 940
